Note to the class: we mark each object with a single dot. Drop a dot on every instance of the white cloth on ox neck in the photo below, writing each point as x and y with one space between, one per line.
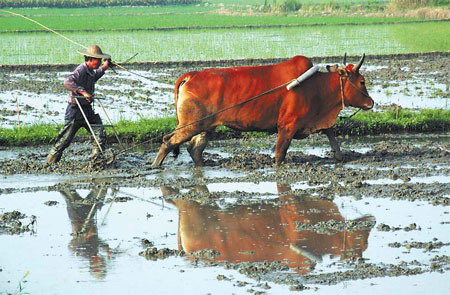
302 77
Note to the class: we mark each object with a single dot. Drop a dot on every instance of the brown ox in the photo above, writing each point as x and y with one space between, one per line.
264 232
201 98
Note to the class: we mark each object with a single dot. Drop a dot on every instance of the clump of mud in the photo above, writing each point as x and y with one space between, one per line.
247 161
332 226
387 228
427 246
74 161
154 253
205 253
13 223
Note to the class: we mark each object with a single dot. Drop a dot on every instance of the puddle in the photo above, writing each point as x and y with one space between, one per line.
40 97
18 181
108 254
150 98
414 94
105 260
428 180
371 223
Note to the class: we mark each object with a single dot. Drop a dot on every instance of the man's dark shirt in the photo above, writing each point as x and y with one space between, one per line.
82 79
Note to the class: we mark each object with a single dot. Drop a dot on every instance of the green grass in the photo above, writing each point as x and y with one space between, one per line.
111 11
271 2
210 36
405 120
411 36
215 44
145 129
246 3
62 22
153 129
29 135
99 3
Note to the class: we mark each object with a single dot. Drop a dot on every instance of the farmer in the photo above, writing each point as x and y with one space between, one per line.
81 82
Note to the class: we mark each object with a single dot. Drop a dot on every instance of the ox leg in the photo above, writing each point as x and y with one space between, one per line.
196 147
335 147
165 149
283 143
171 141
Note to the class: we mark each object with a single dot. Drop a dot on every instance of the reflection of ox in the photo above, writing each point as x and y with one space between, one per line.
213 97
258 233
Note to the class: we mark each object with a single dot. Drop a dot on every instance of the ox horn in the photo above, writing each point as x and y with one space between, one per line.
344 62
360 63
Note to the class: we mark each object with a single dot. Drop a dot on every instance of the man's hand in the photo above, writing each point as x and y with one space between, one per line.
87 95
106 64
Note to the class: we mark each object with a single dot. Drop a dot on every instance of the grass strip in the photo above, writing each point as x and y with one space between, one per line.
74 23
404 120
152 130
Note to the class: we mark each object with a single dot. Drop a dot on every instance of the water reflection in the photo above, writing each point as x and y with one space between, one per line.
86 242
267 232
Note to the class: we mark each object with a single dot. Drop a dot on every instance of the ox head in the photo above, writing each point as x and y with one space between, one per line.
353 83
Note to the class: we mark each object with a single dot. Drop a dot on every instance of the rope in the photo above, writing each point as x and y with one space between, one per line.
112 125
209 116
342 92
242 103
89 125
70 40
342 96
45 27
192 123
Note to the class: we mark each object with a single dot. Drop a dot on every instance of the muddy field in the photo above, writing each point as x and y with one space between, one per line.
35 94
376 222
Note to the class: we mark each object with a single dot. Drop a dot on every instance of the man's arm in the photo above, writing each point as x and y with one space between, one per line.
71 84
101 71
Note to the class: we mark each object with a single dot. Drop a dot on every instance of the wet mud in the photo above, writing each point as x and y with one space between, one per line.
273 237
35 93
393 168
15 223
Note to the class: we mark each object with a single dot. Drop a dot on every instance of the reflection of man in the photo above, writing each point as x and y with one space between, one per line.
85 242
266 232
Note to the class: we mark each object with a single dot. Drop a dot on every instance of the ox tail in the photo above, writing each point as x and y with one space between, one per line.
180 82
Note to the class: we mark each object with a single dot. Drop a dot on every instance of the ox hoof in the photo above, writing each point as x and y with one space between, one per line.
154 164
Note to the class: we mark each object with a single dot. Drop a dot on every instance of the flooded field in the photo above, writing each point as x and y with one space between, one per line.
35 95
377 222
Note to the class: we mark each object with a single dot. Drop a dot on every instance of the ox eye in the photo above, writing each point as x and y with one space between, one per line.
362 82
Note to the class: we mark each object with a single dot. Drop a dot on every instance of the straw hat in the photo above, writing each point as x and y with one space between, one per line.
95 52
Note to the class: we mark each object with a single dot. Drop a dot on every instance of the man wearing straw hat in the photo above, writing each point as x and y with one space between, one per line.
81 82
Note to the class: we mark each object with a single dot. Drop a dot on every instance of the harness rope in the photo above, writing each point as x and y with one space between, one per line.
239 104
342 92
342 96
192 123
209 116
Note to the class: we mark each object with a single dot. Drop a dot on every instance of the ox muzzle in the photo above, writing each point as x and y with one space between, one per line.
369 104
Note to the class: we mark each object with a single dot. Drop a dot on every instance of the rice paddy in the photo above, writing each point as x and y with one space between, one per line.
175 21
201 32
214 44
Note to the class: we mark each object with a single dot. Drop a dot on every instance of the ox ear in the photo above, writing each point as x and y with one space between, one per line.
361 61
332 69
342 72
